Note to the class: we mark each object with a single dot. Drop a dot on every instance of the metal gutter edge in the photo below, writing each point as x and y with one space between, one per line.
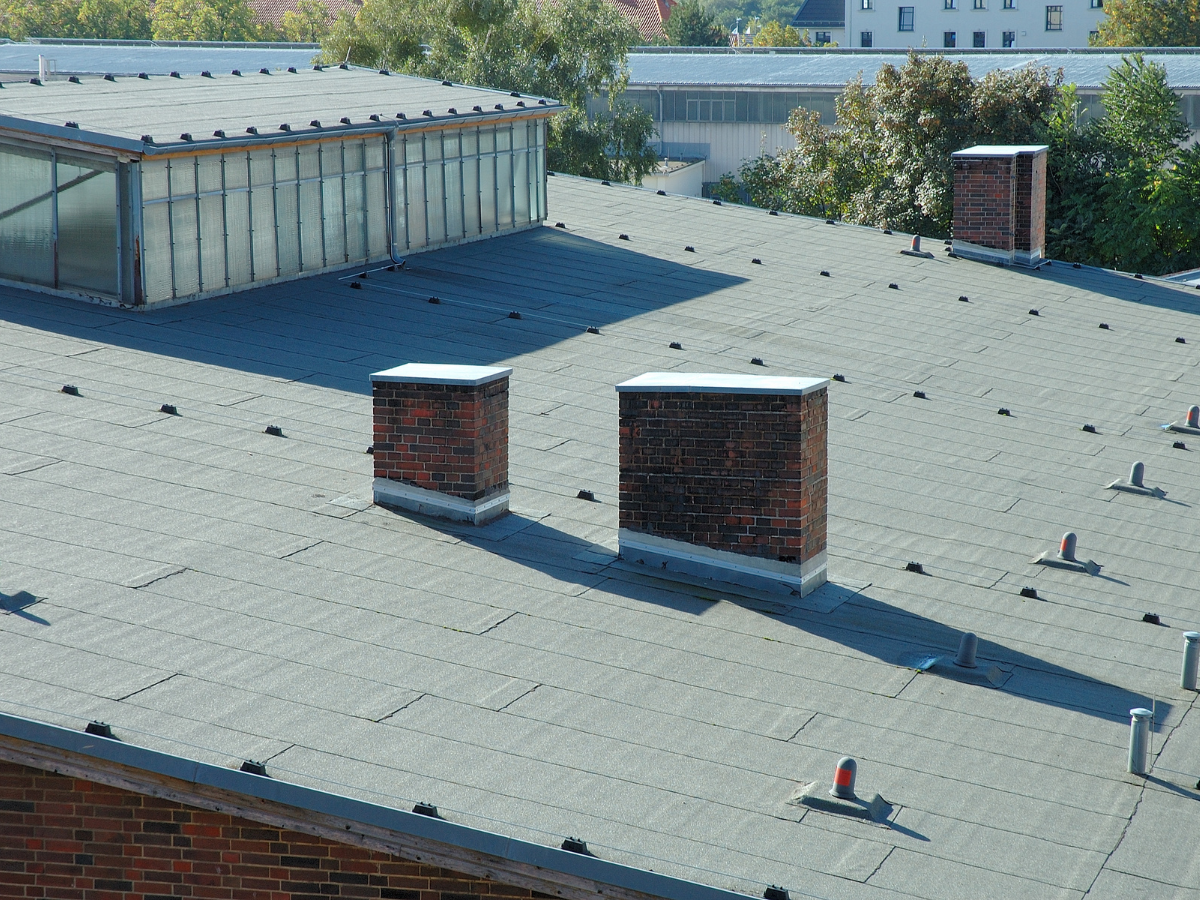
76 136
399 821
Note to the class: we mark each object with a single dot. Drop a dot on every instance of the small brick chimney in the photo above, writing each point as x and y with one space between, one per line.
1000 204
724 477
441 440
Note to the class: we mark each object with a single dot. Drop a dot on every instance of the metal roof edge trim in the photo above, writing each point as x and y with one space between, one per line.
70 135
397 820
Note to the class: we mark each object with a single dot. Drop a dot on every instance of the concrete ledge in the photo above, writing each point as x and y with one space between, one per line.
1026 258
1130 488
1053 560
441 506
816 796
1001 150
693 383
666 558
424 373
1181 428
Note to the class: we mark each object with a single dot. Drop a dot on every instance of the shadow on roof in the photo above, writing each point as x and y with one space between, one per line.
323 332
857 620
1122 287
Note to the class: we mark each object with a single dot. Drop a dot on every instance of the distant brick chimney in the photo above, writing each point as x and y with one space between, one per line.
724 477
1000 204
441 440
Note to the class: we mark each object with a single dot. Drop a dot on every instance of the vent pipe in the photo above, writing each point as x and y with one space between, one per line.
1139 740
966 651
1066 550
1191 660
843 778
43 69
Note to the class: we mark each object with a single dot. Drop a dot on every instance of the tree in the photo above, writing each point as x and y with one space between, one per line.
728 12
1150 23
775 35
124 20
690 25
204 20
107 19
574 51
309 22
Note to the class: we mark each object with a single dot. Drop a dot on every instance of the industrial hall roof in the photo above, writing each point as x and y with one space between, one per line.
221 594
155 114
68 57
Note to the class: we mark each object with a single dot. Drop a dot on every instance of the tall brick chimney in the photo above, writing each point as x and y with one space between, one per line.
1000 204
441 440
724 477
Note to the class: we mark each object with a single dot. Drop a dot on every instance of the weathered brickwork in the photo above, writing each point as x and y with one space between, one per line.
746 473
1029 202
448 438
71 839
983 201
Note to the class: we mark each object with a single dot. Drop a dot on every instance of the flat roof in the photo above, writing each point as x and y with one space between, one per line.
220 594
116 114
79 57
829 68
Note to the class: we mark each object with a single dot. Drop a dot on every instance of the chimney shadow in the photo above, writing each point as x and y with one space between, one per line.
322 332
18 605
853 618
1121 287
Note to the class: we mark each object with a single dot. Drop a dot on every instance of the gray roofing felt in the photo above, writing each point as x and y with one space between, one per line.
833 68
820 12
222 594
130 58
165 108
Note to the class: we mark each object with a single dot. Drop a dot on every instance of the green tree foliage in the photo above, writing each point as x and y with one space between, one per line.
1150 23
567 50
309 22
205 20
728 12
108 19
775 35
691 25
888 161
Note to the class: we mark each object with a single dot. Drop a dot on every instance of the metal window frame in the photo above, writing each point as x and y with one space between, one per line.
911 18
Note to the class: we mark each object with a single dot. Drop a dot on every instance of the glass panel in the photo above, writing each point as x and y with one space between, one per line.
377 237
154 180
520 134
26 217
521 182
312 251
262 221
375 148
236 173
454 200
183 177
285 164
185 246
415 180
356 220
487 140
470 142
331 159
208 173
262 167
335 221
504 190
435 209
212 242
156 225
503 138
310 161
471 193
237 226
287 219
352 156
487 194
87 226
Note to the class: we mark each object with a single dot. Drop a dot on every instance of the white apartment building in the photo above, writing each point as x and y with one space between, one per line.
971 24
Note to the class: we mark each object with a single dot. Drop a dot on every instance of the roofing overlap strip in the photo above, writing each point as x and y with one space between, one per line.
220 594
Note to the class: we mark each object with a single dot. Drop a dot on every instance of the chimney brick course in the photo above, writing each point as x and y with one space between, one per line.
1000 203
441 440
729 472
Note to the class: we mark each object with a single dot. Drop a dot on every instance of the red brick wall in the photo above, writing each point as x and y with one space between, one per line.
448 438
1029 202
71 839
745 473
983 201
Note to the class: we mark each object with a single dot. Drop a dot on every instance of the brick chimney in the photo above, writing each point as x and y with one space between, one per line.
441 440
724 478
1000 204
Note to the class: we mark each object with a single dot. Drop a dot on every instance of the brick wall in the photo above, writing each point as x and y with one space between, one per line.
447 438
68 838
1029 202
744 473
983 201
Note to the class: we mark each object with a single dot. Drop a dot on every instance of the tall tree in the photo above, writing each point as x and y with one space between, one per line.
775 35
309 22
1150 23
107 19
573 51
204 20
114 19
691 25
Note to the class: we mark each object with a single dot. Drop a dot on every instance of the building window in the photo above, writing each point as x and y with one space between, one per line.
1010 4
981 4
821 38
949 39
906 18
951 4
868 4
867 39
979 39
1097 4
1009 39
1054 18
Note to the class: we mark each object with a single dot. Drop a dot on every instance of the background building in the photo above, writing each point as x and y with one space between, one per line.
976 24
824 20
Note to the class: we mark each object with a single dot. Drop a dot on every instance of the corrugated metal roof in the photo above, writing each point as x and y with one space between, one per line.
833 68
117 113
132 57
